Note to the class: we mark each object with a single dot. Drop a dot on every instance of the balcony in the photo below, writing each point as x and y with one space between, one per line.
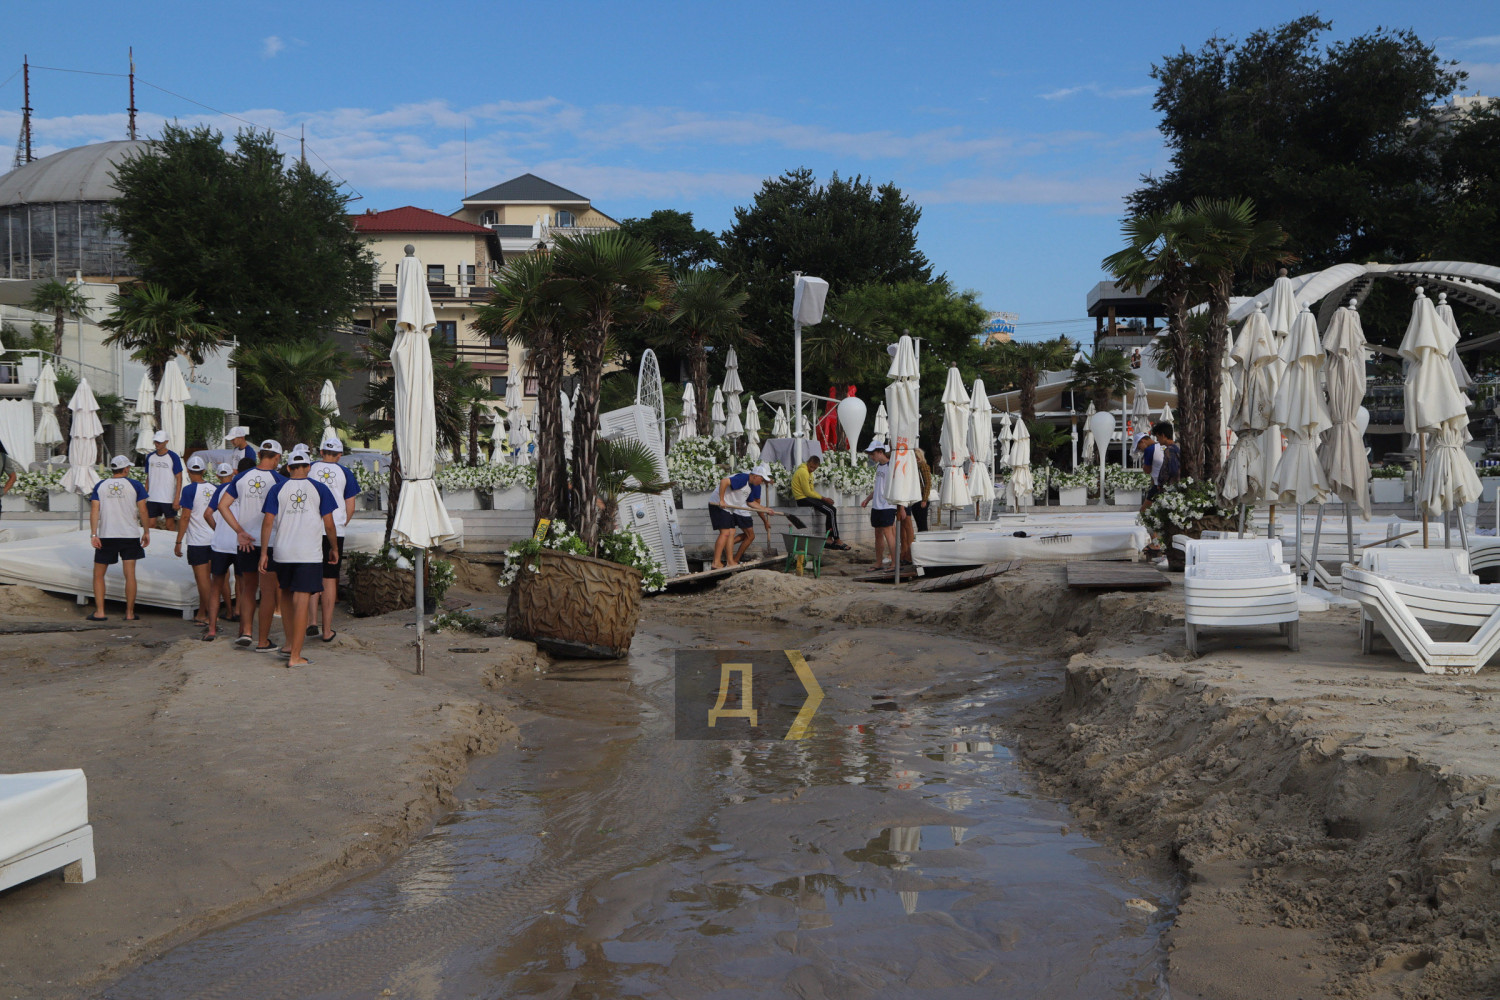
443 284
488 355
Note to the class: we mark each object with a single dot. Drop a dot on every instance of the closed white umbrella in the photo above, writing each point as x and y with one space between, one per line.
1437 408
882 429
1088 448
1281 312
1342 451
498 441
145 414
1020 486
905 485
953 493
1460 373
1246 479
732 373
781 427
83 440
1166 413
523 436
1227 397
1140 417
752 428
716 414
1298 408
173 394
515 401
328 400
565 412
48 433
689 426
981 445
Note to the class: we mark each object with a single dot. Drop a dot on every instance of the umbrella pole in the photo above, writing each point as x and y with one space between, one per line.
1463 529
1242 520
1349 530
421 600
1422 464
1312 570
1271 523
1448 528
1298 546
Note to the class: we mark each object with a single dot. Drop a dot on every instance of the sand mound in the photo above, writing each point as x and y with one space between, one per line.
24 601
771 589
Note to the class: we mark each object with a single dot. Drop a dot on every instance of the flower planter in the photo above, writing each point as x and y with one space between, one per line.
1127 498
461 500
769 496
698 501
374 590
1489 483
511 498
575 606
1075 496
1387 490
69 502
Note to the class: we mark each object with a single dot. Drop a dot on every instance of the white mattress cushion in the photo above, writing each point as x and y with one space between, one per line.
40 806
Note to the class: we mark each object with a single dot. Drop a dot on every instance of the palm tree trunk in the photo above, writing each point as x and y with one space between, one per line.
393 493
588 360
1027 382
1213 377
474 435
1189 402
552 464
698 360
57 333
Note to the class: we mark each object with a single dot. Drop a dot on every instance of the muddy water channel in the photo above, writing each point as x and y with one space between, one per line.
897 851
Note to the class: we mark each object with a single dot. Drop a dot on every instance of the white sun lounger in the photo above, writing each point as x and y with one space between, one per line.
44 826
1401 589
1231 583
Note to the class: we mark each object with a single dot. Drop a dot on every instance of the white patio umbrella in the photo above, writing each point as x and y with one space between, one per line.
1342 452
904 487
1246 480
981 445
733 425
145 414
1435 407
882 428
1166 413
953 492
173 394
1088 447
498 440
732 373
565 413
689 426
781 427
1460 373
1227 397
752 428
524 437
1298 408
1140 418
716 414
48 433
83 440
1020 486
328 400
420 520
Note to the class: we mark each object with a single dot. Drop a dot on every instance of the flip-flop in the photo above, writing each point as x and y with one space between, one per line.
267 649
132 618
243 641
209 638
96 618
305 662
313 630
330 637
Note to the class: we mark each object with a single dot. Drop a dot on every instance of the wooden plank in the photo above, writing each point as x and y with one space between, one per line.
887 575
690 580
958 581
1115 576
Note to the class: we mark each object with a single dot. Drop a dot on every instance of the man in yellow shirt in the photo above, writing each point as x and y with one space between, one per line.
808 496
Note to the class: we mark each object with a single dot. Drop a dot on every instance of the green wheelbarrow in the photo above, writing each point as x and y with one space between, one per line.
804 552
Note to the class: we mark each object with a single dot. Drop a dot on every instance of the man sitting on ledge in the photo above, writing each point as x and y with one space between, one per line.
807 495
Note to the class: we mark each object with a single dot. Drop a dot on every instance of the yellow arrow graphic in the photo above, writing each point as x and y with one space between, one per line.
803 722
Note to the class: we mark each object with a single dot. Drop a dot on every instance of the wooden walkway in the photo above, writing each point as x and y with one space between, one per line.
1115 576
908 573
688 581
967 578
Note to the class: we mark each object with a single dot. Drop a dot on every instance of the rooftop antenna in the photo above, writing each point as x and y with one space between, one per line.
466 159
302 144
23 141
132 108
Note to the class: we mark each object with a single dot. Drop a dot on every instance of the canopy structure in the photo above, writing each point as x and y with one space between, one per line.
83 440
145 414
688 428
48 433
173 395
981 445
953 493
905 486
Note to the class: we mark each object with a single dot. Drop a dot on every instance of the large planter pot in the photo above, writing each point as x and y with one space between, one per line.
1127 498
1387 490
511 498
575 606
69 502
698 501
1076 496
1489 483
374 590
461 500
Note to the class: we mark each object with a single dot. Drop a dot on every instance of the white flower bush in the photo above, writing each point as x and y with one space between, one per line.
370 480
697 464
1115 478
846 472
628 548
624 546
1184 504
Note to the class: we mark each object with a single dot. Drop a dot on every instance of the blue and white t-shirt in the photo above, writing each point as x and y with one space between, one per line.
341 483
119 517
740 491
299 506
161 476
247 452
224 538
248 491
194 502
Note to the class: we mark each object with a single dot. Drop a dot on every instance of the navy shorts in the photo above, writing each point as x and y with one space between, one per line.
199 555
158 509
332 572
726 520
112 549
300 578
220 563
882 518
249 562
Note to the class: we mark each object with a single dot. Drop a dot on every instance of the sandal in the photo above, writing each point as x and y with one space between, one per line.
267 649
96 618
313 630
209 637
330 637
243 641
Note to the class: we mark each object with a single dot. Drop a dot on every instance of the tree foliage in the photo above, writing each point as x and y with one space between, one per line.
62 299
156 326
289 377
679 243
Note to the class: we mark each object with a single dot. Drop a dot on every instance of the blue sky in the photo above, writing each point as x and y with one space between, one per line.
1016 127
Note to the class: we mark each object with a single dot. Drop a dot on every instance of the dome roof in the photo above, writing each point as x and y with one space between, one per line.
78 174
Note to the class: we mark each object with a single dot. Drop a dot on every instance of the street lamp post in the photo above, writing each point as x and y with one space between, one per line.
808 295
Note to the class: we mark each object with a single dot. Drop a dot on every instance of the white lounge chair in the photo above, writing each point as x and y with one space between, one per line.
1231 583
1401 589
44 826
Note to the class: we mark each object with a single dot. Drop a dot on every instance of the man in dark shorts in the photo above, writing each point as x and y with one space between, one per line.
299 511
194 527
240 504
341 483
223 547
163 481
883 513
119 529
737 495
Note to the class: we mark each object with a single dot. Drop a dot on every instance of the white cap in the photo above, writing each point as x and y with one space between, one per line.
196 464
119 462
331 442
877 446
763 471
271 444
237 431
299 456
160 437
223 469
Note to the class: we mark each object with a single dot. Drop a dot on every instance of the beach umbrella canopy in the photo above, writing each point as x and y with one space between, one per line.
1460 373
953 492
688 428
1227 397
905 486
1166 413
752 428
523 436
173 395
732 373
1281 313
328 400
981 444
48 433
420 518
1436 407
1140 417
882 429
732 388
145 414
1342 452
1252 462
716 414
1298 408
781 427
1087 448
1020 486
83 442
497 441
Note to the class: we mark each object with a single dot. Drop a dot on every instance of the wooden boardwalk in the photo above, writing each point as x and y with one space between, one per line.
689 581
967 578
1115 576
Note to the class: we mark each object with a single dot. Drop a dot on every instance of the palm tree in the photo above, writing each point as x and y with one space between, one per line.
705 310
156 328
61 299
625 465
1021 363
848 345
614 279
288 377
1104 377
532 305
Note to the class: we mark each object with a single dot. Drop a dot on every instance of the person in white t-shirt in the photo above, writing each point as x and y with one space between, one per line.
240 504
222 547
194 526
341 483
163 482
299 511
120 529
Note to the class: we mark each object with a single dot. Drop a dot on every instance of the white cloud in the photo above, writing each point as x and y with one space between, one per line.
1483 41
1098 91
1087 194
1483 77
271 46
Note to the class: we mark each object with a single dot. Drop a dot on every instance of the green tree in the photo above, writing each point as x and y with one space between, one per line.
613 279
156 326
62 299
847 232
679 243
1468 221
1020 364
1104 377
288 377
704 311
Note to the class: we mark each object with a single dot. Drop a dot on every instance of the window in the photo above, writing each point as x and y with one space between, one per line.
565 219
497 385
500 340
434 274
489 217
529 386
449 329
466 274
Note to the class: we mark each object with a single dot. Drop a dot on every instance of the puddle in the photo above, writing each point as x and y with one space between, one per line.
897 851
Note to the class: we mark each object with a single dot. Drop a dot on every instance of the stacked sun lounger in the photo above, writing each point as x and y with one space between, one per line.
1405 591
44 826
1232 583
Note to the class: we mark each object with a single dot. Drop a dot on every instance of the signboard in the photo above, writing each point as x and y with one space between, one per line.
209 384
1000 326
